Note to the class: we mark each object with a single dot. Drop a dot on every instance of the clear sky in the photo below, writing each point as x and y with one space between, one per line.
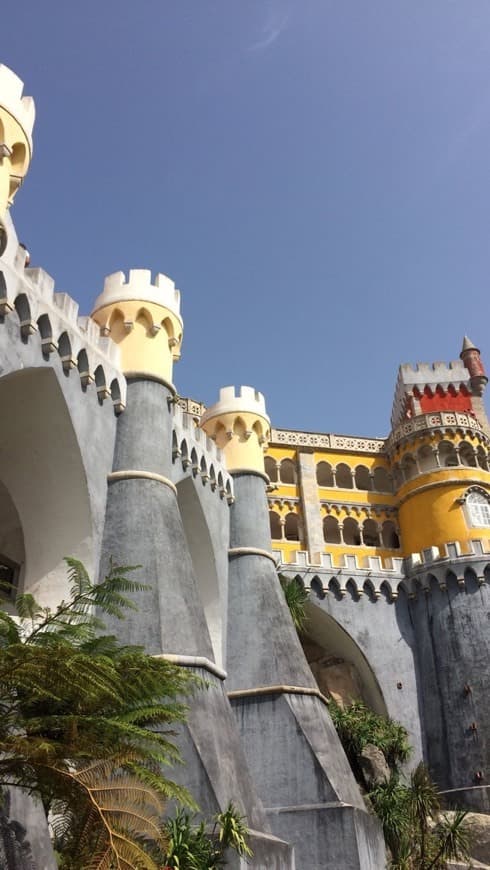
313 174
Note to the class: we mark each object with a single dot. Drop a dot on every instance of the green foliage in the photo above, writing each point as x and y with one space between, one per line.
357 726
296 598
86 723
191 847
405 812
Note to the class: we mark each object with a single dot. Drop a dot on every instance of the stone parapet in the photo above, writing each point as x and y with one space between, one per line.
428 423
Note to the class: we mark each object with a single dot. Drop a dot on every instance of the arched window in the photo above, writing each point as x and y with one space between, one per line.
352 535
324 476
478 509
363 480
331 531
389 536
409 467
286 472
276 529
344 476
447 455
397 476
370 534
426 458
271 469
467 454
381 480
291 527
481 458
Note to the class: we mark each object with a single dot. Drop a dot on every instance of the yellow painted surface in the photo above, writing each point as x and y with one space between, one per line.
430 515
13 168
242 437
148 335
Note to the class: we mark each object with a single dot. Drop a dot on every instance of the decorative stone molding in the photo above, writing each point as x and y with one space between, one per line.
52 320
347 443
195 453
428 422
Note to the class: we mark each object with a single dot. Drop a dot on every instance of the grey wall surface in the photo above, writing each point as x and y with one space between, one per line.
452 639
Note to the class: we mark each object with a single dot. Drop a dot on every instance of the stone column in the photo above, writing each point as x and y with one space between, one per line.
296 758
143 526
310 505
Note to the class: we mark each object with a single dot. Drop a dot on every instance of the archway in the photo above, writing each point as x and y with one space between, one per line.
43 490
338 665
203 559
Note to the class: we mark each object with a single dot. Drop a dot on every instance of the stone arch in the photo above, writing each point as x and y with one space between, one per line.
381 480
203 558
41 467
409 467
351 532
370 533
362 477
324 474
343 476
482 457
275 524
447 454
466 454
271 468
287 471
339 665
46 332
389 535
291 527
331 530
426 458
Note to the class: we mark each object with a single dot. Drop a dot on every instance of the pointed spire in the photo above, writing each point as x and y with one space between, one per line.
468 345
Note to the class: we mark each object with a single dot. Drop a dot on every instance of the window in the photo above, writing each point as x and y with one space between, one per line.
478 509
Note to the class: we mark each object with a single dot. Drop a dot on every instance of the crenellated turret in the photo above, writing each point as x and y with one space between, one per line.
17 115
473 362
239 424
144 319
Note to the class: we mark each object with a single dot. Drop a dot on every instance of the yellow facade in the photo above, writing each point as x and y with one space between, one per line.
241 436
16 123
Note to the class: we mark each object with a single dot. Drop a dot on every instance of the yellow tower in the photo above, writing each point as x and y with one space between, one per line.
143 318
239 424
17 115
439 452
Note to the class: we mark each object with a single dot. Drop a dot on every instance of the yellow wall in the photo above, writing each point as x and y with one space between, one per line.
12 168
430 512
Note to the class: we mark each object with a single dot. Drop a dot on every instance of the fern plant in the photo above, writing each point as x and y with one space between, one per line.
191 847
296 598
86 724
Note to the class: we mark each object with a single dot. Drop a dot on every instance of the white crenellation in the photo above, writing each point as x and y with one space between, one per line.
53 317
139 285
439 420
194 453
426 374
12 100
233 401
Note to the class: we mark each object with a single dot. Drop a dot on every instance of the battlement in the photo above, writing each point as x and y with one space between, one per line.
417 377
241 400
52 318
138 285
11 99
193 452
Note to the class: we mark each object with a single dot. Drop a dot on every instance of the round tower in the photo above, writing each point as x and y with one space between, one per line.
144 319
240 426
440 465
293 750
17 115
473 362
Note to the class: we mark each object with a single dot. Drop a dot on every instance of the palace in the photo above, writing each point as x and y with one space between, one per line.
101 458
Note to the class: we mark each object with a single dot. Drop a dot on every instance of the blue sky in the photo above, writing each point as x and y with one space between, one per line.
313 174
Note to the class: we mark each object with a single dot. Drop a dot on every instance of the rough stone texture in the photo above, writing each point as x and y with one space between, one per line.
296 758
144 526
309 505
453 645
478 825
24 835
374 766
378 637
